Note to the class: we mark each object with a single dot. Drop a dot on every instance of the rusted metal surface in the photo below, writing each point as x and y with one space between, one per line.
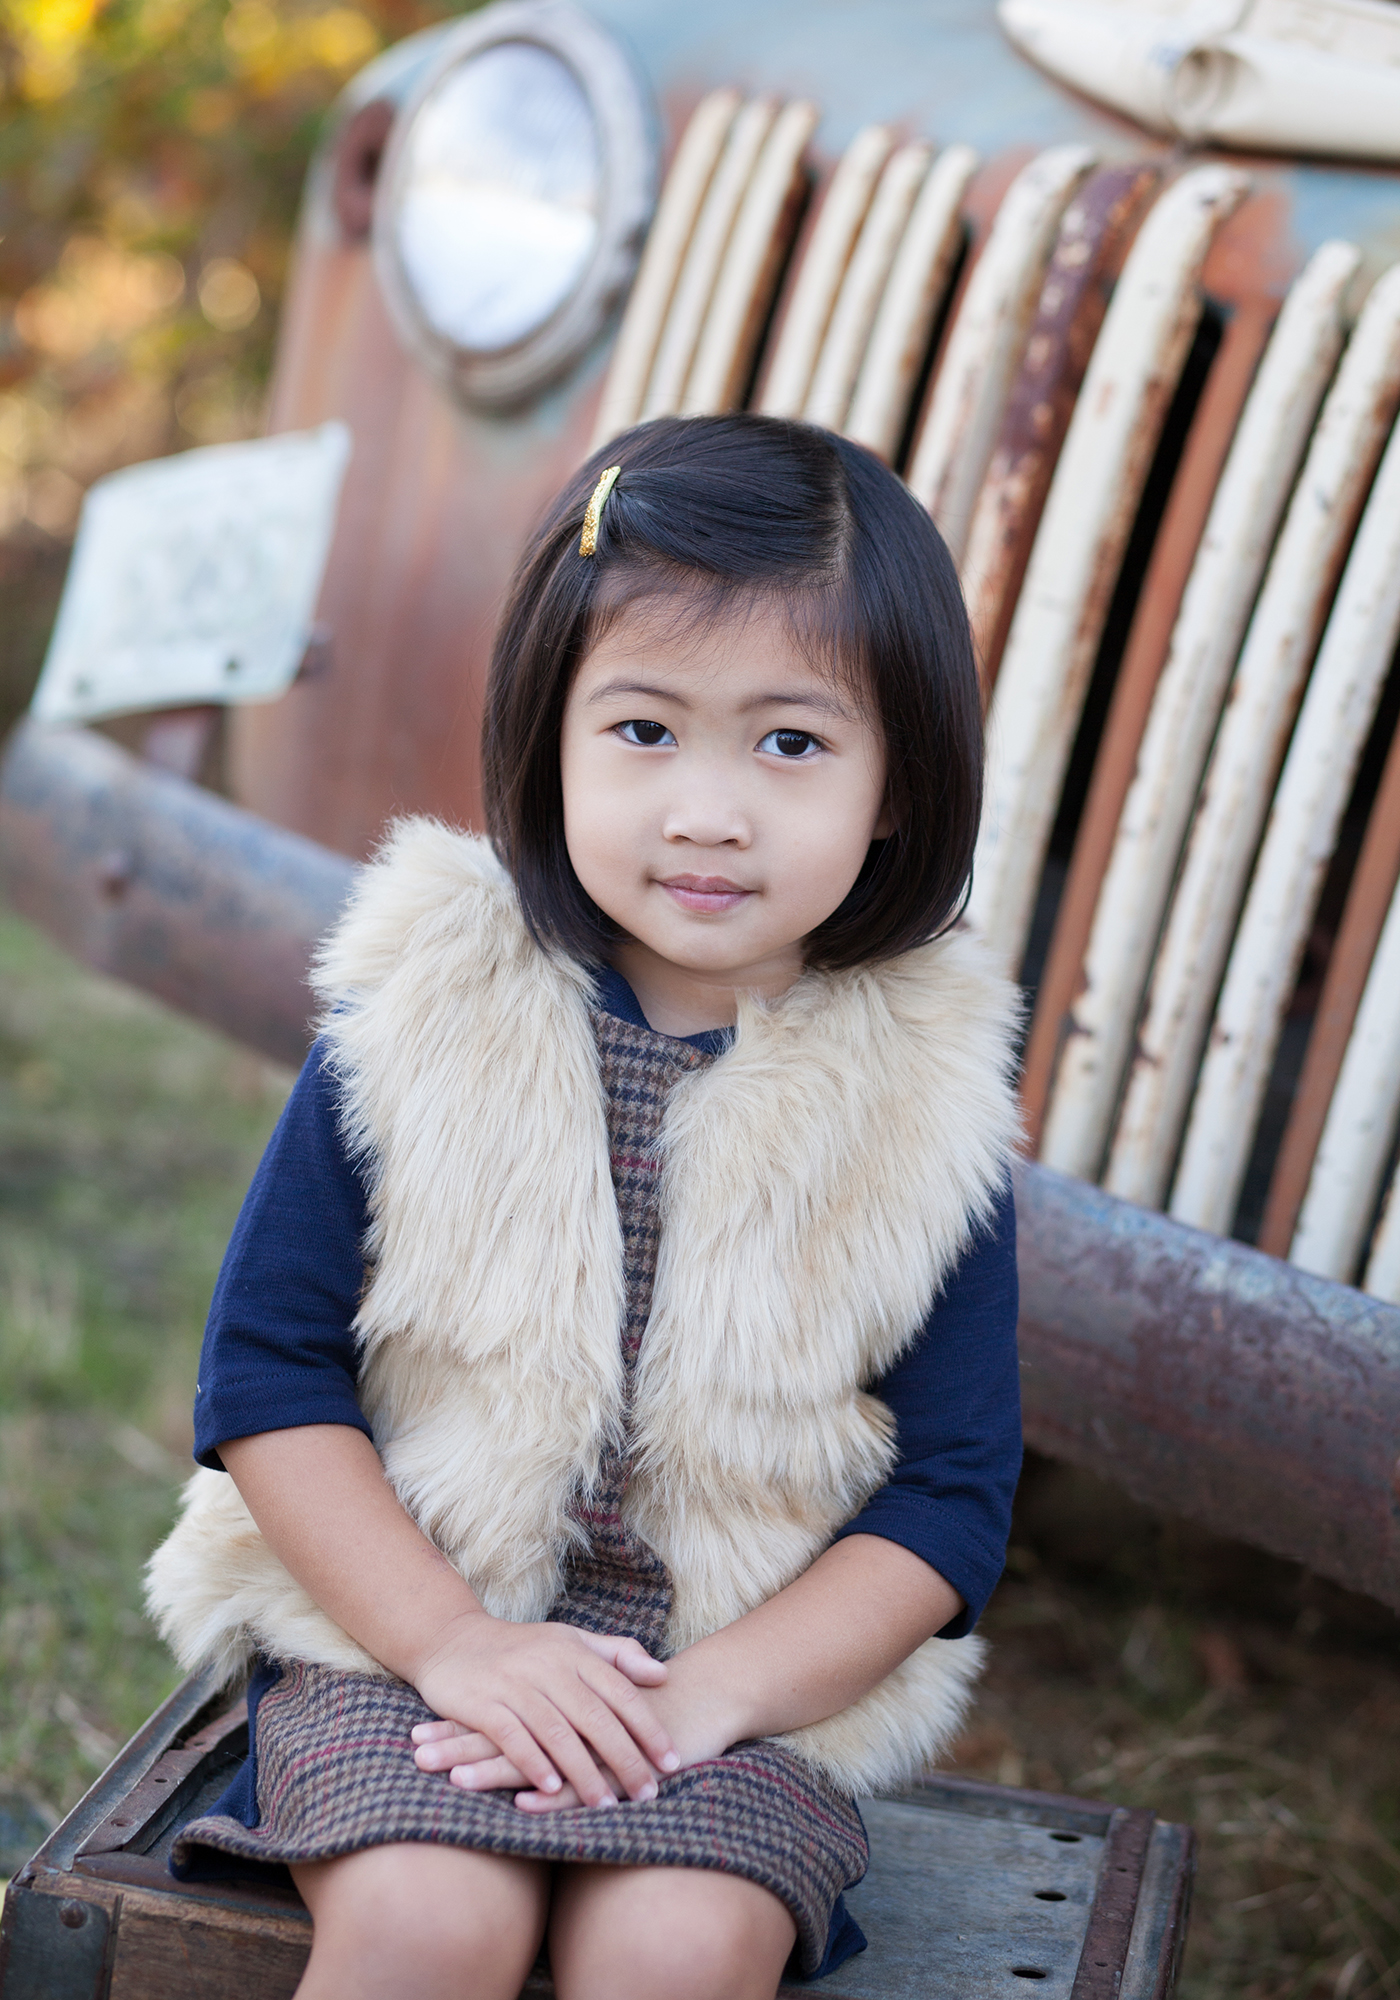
358 152
985 341
1106 995
1249 750
157 882
1094 234
1178 538
1328 739
435 508
1368 900
155 1793
1212 1382
1115 1904
1074 565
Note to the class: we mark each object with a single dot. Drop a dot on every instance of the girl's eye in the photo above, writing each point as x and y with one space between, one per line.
790 743
649 734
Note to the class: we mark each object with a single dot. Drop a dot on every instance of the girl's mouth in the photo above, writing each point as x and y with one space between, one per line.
706 894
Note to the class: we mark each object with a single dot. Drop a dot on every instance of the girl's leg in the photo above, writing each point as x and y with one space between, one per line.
666 1934
415 1921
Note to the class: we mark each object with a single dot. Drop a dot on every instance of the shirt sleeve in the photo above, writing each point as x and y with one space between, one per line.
278 1348
956 1400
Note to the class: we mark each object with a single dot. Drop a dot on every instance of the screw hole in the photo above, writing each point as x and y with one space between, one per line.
1069 1839
1049 1895
1030 1972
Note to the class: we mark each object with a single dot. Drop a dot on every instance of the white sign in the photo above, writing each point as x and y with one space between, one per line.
195 578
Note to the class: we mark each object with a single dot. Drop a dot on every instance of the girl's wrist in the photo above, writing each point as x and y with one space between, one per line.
709 1698
439 1644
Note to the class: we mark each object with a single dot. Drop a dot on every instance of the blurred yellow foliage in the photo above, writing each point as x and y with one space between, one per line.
49 35
99 292
151 160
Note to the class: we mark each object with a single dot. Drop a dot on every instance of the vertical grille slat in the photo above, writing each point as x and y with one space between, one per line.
783 392
1259 474
986 341
1248 754
1305 820
668 241
1079 546
908 313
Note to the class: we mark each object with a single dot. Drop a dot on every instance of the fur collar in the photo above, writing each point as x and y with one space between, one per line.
819 1182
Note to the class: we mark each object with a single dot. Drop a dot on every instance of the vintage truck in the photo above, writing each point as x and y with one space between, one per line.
1149 393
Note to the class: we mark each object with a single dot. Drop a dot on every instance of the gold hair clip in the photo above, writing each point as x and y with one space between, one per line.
588 540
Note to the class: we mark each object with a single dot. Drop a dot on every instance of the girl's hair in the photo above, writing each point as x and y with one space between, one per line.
718 515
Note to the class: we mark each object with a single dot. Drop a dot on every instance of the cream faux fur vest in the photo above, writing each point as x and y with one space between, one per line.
819 1181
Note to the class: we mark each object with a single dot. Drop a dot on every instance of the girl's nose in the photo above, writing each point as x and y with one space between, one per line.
708 816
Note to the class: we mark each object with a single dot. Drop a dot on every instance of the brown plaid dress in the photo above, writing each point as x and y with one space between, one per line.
335 1770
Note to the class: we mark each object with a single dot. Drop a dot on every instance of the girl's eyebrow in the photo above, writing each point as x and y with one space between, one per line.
821 699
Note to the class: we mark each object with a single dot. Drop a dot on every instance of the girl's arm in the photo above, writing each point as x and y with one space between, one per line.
548 1697
823 1642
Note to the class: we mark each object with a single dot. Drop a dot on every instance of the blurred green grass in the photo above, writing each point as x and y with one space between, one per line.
127 1136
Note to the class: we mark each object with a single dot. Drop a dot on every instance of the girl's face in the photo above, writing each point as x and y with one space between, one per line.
720 796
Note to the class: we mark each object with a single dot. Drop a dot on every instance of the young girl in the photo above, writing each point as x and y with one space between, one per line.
609 1400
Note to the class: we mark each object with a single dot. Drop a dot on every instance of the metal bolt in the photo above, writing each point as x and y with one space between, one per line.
74 1915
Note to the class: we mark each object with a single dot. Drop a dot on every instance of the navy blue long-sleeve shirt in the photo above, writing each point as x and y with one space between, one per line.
279 1351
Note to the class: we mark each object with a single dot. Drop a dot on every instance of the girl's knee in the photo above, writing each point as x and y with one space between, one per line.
667 1934
415 1919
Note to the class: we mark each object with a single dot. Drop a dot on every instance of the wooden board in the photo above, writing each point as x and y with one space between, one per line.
973 1890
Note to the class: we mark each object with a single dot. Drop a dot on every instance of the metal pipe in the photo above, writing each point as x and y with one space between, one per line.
1202 1377
1211 1381
156 881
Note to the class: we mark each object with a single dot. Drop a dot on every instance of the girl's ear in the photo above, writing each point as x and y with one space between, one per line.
884 825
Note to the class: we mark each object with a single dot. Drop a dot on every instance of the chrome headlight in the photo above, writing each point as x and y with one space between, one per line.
516 187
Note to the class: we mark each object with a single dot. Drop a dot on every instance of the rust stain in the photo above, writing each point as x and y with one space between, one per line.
1093 239
358 152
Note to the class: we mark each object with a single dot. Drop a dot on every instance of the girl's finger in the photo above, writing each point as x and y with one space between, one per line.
628 1656
636 1715
557 1733
494 1774
466 1747
518 1740
433 1732
607 1737
541 1802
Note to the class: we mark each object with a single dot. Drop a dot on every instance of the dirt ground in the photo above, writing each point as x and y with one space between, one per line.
1132 1659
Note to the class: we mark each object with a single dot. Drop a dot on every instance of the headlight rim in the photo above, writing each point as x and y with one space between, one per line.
626 125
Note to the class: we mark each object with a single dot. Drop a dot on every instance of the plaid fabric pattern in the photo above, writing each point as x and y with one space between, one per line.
335 1764
336 1774
618 1584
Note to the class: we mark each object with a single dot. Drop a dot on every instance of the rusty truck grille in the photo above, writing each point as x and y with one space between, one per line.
1127 449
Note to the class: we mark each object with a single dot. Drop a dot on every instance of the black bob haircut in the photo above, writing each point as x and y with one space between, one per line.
717 513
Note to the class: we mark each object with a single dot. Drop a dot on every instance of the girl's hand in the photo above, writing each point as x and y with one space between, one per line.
551 1702
700 1724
